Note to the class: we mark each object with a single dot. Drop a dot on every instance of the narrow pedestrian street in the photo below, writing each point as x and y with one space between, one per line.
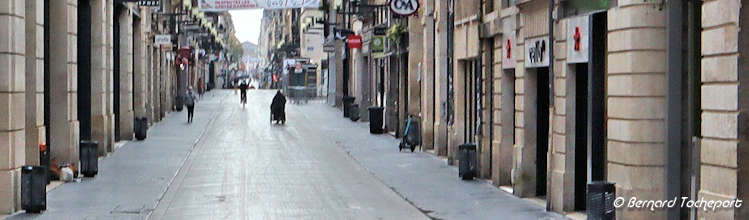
232 163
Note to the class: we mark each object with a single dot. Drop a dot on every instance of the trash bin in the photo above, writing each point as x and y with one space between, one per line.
375 120
600 201
89 154
354 114
347 102
33 188
178 105
141 128
467 161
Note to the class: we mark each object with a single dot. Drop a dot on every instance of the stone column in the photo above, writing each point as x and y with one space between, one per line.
99 73
440 76
35 130
415 65
12 103
139 61
156 82
126 76
148 75
724 174
109 78
636 81
64 136
165 86
428 75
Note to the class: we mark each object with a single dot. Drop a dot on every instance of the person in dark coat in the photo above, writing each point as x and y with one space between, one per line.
278 107
243 92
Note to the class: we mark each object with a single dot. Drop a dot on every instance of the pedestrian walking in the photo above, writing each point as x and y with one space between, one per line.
190 103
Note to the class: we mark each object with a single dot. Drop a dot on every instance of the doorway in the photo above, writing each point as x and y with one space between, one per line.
44 159
472 105
391 95
508 127
84 69
118 13
578 115
537 123
586 112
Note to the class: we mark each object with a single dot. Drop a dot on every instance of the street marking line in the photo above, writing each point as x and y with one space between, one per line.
182 164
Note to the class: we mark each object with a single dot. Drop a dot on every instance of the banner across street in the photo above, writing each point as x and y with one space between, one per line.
224 5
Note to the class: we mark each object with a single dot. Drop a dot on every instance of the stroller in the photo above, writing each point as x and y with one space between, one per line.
278 115
411 135
278 109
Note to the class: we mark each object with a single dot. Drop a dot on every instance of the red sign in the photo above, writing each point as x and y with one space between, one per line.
354 41
577 38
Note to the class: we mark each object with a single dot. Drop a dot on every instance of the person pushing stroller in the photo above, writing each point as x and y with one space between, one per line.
278 108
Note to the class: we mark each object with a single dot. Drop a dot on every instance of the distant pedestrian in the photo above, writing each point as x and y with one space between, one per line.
190 103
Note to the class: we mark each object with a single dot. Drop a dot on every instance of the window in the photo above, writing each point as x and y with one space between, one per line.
508 3
578 7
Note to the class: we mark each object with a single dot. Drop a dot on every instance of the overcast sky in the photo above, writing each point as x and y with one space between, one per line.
247 24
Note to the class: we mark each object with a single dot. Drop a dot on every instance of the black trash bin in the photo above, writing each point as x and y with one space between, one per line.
347 102
375 120
600 201
141 128
467 161
89 154
178 105
354 114
33 188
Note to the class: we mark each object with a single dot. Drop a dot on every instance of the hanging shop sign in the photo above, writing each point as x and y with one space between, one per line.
225 5
380 31
378 46
404 7
328 49
162 40
149 3
378 42
354 41
537 52
578 38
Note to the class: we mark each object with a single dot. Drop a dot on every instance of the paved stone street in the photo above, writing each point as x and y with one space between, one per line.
232 163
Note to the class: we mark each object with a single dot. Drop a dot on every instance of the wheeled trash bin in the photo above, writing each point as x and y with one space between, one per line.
467 161
375 120
89 156
33 188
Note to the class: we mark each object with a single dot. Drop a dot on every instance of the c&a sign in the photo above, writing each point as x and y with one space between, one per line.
537 52
404 7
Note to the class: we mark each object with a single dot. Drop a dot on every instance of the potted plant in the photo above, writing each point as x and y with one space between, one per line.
396 33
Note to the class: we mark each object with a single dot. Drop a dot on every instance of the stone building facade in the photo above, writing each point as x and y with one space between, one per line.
77 70
590 97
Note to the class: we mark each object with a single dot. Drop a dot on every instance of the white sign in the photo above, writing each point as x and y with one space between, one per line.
578 38
508 44
225 5
537 52
162 40
404 7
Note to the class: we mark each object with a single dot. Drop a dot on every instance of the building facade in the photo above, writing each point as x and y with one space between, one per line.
77 70
558 94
